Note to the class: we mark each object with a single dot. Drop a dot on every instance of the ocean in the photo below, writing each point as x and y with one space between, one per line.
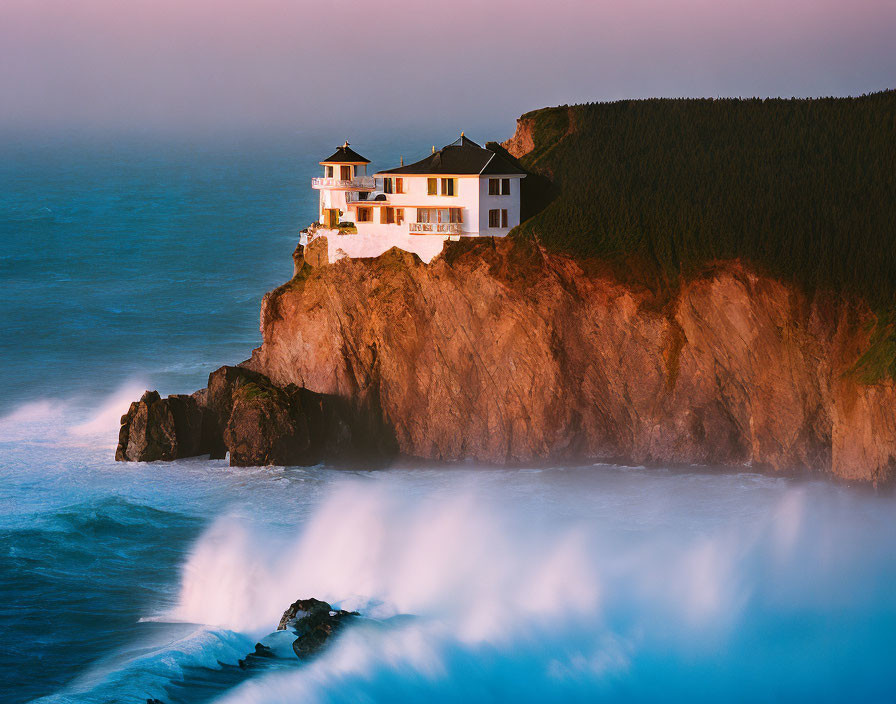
129 265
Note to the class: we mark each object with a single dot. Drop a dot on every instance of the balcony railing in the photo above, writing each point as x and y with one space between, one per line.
355 197
452 228
360 182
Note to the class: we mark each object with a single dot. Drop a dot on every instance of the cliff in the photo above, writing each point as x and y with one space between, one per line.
694 281
501 352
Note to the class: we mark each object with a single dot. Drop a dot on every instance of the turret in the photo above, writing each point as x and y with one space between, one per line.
344 181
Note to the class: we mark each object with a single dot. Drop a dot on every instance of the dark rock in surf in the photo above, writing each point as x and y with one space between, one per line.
160 429
267 427
261 651
258 422
315 622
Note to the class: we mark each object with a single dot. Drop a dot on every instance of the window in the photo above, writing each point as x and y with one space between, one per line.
328 171
497 218
431 184
399 214
387 185
499 186
387 216
364 215
345 173
449 186
399 185
455 215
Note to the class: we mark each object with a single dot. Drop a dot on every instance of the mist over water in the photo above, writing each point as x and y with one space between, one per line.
122 582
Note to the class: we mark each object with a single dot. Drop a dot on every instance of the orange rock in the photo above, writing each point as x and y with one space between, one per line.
499 352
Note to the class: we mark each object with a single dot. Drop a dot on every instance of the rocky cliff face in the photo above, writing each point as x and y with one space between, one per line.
499 352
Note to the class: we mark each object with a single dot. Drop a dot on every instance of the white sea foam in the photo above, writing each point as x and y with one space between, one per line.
462 558
572 597
70 421
104 421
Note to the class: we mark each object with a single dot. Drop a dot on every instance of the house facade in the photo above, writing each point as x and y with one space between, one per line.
461 190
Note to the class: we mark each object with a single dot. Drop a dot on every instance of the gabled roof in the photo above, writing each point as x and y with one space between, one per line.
461 157
345 155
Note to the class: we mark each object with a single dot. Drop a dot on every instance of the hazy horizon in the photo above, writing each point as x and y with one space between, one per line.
343 67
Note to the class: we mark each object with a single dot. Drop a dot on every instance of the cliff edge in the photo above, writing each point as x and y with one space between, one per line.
501 352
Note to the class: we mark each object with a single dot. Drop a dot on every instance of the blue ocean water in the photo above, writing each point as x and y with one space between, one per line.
141 265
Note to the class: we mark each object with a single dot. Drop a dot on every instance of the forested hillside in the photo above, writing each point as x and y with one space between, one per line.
804 189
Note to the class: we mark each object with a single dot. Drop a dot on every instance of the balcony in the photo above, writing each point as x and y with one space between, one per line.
378 199
427 228
363 182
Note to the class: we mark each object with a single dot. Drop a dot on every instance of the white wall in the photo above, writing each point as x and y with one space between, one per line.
373 244
333 199
415 195
510 203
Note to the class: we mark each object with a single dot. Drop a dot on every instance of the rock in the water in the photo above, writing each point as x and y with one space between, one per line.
314 622
258 422
261 652
261 423
267 427
148 431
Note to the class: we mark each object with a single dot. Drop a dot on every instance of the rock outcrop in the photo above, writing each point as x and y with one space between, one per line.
314 622
243 413
500 352
161 429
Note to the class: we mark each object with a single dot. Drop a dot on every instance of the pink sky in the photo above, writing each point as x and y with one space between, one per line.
273 64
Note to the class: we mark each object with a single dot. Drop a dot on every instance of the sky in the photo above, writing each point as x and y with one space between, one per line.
205 66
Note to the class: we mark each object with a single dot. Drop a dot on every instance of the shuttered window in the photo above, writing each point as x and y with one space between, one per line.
497 218
499 186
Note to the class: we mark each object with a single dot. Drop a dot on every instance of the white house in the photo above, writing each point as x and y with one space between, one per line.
461 190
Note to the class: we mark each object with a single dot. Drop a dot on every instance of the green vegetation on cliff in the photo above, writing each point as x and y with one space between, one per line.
804 189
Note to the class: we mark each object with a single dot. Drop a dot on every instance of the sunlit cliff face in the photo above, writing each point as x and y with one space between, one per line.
204 66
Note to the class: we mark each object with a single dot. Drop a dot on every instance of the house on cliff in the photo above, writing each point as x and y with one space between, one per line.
460 190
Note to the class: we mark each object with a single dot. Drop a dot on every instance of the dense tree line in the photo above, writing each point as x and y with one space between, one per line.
803 188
